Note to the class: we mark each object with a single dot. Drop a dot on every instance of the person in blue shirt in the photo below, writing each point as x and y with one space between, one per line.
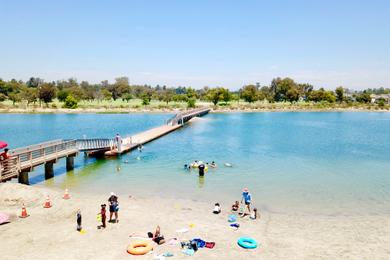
246 197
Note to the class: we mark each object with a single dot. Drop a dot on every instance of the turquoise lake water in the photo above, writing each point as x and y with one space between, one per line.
311 163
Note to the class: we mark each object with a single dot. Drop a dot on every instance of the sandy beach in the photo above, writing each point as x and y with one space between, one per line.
51 233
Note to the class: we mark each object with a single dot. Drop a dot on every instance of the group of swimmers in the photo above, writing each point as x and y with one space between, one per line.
197 164
247 200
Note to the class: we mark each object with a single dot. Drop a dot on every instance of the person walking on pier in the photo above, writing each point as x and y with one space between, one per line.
118 140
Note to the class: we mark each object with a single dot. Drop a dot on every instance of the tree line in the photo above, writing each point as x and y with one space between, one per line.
70 92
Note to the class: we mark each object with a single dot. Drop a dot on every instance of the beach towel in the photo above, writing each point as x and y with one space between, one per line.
232 218
182 230
189 252
4 218
199 242
210 245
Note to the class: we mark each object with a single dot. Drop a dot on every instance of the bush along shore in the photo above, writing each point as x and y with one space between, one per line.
38 96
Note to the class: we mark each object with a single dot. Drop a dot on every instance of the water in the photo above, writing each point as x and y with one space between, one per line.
310 163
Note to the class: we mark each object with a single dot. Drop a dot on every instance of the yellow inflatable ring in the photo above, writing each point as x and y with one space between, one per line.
139 248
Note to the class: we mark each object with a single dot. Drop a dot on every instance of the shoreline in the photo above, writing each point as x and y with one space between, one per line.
50 233
164 111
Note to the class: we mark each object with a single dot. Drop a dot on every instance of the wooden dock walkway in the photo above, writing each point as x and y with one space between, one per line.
23 160
132 142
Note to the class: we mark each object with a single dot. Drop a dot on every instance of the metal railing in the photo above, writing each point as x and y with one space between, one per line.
182 117
94 144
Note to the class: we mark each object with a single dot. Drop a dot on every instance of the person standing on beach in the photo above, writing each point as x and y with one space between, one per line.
118 140
114 207
78 220
246 197
103 215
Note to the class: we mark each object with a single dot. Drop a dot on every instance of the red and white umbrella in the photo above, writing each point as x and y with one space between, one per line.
3 144
4 218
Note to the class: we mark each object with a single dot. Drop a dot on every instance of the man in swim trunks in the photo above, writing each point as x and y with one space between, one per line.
246 197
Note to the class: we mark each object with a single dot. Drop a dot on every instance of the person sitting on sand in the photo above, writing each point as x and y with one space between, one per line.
246 197
217 208
114 207
253 214
235 206
157 237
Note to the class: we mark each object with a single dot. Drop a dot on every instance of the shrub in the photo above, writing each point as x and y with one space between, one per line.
70 102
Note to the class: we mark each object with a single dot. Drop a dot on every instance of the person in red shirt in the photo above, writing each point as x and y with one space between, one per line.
4 155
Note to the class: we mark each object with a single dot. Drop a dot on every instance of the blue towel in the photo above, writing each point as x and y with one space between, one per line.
189 252
199 242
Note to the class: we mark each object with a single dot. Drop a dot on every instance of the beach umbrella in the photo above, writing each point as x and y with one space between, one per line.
3 144
4 218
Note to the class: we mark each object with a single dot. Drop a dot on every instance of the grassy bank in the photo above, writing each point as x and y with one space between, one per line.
135 105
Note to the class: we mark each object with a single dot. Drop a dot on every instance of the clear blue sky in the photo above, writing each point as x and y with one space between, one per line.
198 43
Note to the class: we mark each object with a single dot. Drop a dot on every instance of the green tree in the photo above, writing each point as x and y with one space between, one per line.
146 98
292 94
14 97
339 94
168 95
191 102
322 95
120 87
127 97
249 93
70 102
105 94
363 97
62 95
280 87
47 92
226 95
29 94
214 95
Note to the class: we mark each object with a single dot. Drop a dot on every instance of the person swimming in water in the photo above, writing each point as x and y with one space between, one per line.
213 164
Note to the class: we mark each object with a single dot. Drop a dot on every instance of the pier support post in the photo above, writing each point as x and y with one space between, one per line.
23 178
49 172
69 163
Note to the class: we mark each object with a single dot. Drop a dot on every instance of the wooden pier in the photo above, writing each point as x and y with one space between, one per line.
23 160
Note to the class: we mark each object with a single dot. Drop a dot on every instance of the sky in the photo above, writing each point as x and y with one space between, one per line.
198 43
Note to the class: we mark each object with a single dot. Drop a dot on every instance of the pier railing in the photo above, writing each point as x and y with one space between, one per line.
182 117
94 144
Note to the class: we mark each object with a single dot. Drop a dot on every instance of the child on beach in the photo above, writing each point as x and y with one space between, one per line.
253 215
103 215
217 208
235 206
78 219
